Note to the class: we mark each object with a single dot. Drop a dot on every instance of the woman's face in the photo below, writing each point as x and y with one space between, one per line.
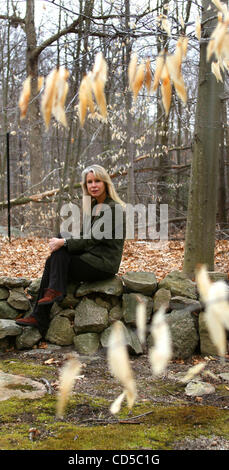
96 188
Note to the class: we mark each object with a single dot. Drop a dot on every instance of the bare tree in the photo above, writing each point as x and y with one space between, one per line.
201 219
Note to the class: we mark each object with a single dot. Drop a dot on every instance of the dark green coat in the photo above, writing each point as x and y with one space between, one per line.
101 244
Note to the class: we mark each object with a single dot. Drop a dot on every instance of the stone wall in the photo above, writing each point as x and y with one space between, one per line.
85 316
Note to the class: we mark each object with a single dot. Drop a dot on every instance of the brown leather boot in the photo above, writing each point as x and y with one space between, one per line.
28 321
50 296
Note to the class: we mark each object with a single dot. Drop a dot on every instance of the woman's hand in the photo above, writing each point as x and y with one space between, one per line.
55 244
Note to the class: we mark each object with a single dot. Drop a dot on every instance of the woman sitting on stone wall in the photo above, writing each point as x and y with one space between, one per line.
94 255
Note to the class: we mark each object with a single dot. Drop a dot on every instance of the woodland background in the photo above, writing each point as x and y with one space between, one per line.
148 154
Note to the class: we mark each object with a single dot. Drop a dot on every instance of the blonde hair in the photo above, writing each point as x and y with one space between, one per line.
100 173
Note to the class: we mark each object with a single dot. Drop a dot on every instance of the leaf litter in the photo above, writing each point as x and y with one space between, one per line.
25 257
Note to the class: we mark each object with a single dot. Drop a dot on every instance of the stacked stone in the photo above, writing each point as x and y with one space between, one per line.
14 303
85 317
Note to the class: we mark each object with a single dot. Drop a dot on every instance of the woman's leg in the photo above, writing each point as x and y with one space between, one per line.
45 278
59 268
32 320
55 276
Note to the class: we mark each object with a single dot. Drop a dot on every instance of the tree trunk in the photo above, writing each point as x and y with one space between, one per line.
203 194
34 125
129 119
222 211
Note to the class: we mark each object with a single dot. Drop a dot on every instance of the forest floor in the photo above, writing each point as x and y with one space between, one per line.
24 257
163 417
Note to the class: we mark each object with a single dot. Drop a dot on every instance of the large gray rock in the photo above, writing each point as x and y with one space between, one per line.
185 338
102 302
129 305
68 312
111 286
181 303
207 347
28 338
196 388
60 331
12 282
179 284
161 298
70 300
131 339
21 387
133 342
4 293
6 311
87 343
143 282
115 313
18 300
9 328
105 336
90 317
34 287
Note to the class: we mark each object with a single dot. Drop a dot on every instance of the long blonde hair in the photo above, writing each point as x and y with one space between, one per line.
100 173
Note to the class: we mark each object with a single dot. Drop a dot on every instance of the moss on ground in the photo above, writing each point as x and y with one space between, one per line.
87 423
27 368
155 427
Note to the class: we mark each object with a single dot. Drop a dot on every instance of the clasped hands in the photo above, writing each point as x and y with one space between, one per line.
55 244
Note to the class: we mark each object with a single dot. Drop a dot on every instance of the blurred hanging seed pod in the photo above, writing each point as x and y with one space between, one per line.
215 295
173 63
24 97
100 68
160 62
85 99
68 374
225 51
181 47
141 319
55 93
132 68
161 352
166 89
116 405
99 78
40 83
218 38
98 90
61 91
148 76
166 25
48 96
168 71
118 361
215 68
211 43
193 371
221 6
138 80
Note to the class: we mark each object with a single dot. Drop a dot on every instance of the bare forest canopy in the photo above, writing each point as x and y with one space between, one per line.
164 61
